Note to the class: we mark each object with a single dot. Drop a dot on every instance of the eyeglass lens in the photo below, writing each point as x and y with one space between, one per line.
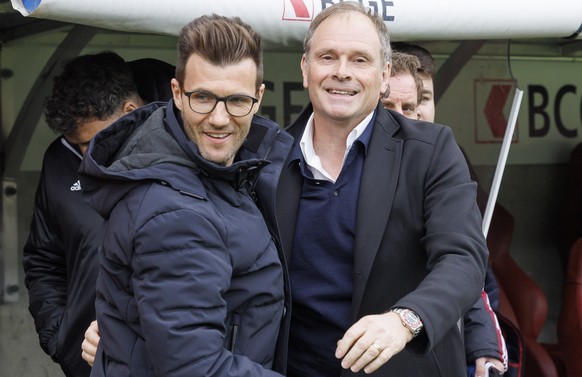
236 105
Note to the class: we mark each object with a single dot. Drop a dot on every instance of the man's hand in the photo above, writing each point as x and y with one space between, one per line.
90 343
480 366
372 341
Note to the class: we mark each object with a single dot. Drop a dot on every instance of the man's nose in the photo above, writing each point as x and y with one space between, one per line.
219 116
342 69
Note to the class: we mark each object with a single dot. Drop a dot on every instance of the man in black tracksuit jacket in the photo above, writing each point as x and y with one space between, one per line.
60 255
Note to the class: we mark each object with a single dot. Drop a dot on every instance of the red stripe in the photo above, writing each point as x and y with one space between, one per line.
502 349
300 8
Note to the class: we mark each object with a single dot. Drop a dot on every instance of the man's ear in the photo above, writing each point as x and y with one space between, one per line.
260 93
129 106
385 77
177 94
304 70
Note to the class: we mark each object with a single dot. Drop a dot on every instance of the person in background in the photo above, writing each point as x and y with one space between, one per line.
60 254
152 77
404 92
190 279
426 107
483 339
378 218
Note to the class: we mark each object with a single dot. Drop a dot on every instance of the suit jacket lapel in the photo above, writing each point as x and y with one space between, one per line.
288 196
289 188
377 189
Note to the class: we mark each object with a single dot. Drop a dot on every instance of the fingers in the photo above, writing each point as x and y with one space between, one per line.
378 361
367 358
89 358
90 343
480 367
350 338
497 364
371 342
92 334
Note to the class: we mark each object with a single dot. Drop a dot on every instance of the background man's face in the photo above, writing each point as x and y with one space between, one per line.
86 130
426 108
217 134
403 96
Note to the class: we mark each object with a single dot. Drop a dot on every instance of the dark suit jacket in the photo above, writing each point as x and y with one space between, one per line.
418 241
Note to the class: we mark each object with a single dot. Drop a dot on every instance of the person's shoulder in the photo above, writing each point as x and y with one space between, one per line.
410 129
56 145
259 120
58 150
298 125
265 130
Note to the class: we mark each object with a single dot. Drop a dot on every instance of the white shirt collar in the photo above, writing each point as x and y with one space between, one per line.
312 159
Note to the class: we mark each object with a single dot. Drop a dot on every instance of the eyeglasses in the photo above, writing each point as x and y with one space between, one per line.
237 105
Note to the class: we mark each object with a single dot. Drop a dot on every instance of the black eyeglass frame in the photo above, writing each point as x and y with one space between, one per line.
221 99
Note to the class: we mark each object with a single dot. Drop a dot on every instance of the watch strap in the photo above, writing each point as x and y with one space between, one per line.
410 320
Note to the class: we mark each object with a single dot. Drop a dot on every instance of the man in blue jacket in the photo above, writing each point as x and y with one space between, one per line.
190 281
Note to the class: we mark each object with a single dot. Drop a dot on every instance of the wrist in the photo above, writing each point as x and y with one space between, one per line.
410 320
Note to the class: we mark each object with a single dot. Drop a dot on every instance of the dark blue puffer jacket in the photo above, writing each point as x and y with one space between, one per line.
190 281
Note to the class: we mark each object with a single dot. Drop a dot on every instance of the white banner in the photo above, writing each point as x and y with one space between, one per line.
282 23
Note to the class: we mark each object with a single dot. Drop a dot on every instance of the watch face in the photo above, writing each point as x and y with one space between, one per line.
411 318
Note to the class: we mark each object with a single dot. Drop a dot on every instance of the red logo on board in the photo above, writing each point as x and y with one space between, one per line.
298 10
492 107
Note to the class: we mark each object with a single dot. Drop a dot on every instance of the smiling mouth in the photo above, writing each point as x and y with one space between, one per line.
342 92
217 136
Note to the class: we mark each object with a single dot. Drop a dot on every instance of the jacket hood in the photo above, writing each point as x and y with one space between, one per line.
149 144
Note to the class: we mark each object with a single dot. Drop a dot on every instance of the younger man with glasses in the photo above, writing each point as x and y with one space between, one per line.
190 280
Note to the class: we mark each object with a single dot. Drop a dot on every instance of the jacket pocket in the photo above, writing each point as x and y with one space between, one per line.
232 332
